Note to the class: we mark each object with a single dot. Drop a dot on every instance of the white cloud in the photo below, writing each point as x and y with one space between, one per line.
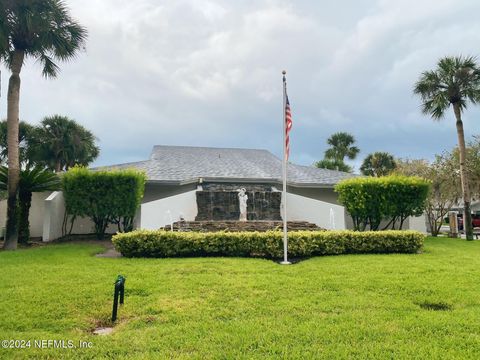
208 72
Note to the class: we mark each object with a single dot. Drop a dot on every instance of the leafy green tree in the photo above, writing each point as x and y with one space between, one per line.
61 143
341 147
445 191
332 164
392 199
44 31
32 180
455 82
378 164
106 197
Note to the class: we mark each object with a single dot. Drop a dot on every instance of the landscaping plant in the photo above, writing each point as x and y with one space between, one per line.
104 196
456 83
32 180
269 244
386 201
44 31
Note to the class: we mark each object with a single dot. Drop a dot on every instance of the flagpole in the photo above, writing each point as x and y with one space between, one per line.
285 231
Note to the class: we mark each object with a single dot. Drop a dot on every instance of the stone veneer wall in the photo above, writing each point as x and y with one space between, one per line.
229 226
218 201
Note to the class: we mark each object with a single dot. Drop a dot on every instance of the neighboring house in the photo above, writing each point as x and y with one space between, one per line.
474 207
201 183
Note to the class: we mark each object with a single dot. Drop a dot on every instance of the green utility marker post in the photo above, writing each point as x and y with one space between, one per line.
119 291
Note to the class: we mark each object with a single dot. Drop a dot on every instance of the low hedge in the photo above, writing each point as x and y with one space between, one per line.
160 243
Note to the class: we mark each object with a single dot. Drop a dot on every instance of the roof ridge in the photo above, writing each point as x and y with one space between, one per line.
208 147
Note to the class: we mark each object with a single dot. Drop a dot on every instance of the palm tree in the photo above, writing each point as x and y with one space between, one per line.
32 180
332 164
341 146
25 132
378 164
45 31
455 82
61 143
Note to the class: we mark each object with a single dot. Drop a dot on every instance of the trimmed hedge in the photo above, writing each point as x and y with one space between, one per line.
105 196
371 200
160 243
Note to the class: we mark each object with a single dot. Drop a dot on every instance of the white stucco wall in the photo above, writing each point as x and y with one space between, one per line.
156 214
54 212
35 217
315 211
417 223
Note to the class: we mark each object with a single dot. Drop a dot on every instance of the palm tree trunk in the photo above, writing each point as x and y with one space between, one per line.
467 215
25 202
58 166
13 98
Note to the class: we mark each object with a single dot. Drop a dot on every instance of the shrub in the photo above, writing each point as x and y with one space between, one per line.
106 197
160 243
369 201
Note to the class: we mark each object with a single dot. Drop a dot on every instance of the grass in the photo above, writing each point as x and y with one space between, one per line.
358 306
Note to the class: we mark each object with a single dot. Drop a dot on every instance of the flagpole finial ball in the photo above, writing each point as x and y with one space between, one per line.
284 72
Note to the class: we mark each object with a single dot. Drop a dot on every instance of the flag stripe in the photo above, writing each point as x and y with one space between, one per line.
288 125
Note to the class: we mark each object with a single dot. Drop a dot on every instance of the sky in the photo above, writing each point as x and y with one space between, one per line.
208 73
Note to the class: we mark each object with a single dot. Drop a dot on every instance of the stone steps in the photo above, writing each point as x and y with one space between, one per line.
233 225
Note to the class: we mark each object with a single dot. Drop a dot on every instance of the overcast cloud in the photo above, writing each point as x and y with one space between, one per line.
208 73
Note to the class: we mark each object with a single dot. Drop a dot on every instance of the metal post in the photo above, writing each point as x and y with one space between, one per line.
115 305
285 231
122 292
118 292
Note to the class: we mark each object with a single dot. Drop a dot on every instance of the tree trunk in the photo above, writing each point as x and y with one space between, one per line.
467 215
25 202
13 98
58 166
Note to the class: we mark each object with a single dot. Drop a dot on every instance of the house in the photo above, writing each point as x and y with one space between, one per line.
202 183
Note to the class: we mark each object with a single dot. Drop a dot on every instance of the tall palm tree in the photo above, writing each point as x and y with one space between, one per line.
341 146
61 143
32 180
45 31
455 82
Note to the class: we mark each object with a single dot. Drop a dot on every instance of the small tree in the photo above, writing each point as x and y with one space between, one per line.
445 186
391 199
378 164
106 197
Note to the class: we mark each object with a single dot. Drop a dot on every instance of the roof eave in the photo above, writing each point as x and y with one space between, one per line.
241 180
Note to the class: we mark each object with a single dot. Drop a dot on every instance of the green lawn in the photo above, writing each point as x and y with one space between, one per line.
359 306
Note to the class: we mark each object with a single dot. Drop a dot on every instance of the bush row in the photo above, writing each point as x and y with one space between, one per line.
159 243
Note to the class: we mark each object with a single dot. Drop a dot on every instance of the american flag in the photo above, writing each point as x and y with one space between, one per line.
288 125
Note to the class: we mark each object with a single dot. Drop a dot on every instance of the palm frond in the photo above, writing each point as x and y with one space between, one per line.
43 30
38 179
49 68
456 80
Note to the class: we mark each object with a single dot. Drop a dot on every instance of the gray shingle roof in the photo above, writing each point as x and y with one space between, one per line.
186 164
